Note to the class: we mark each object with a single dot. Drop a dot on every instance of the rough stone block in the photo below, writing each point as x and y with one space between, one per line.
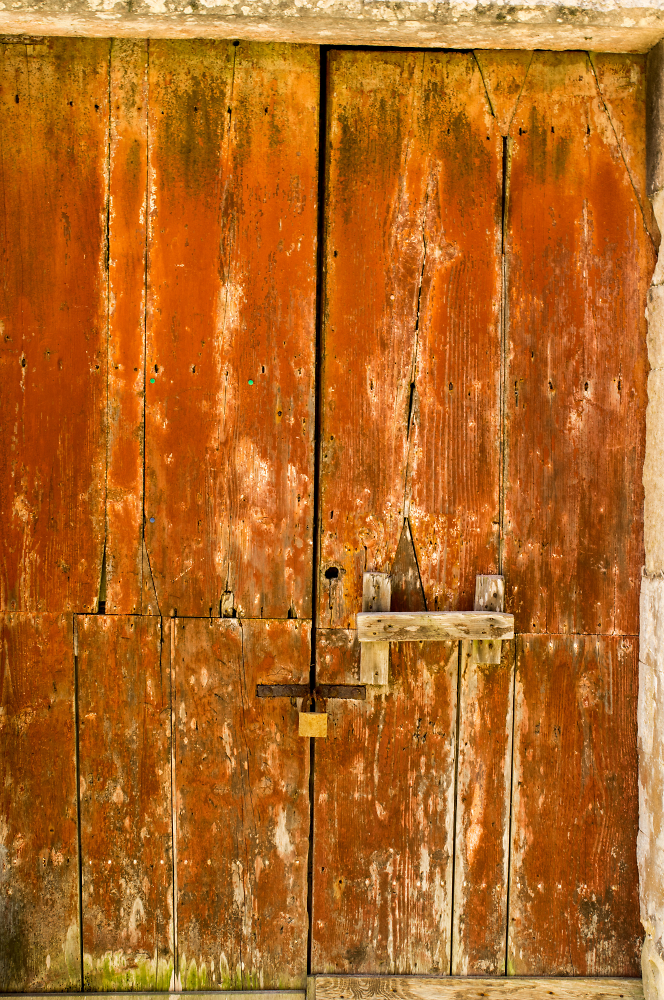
650 844
653 474
655 316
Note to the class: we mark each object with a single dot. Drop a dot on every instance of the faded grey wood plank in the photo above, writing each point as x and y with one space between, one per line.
475 988
422 626
375 658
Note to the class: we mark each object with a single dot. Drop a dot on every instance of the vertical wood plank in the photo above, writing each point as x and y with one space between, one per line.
411 336
124 754
573 884
242 776
126 332
576 364
231 332
384 813
39 941
621 79
483 813
53 320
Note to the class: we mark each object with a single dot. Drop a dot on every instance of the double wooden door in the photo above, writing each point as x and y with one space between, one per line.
273 318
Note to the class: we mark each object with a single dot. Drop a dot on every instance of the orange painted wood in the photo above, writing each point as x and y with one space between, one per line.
621 80
242 782
411 334
124 697
579 262
574 906
384 813
126 327
504 74
231 338
39 937
53 318
483 813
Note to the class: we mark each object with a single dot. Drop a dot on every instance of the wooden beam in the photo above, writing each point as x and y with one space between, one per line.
474 988
198 994
420 626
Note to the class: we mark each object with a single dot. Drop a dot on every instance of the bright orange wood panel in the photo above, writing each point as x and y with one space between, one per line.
579 261
231 340
574 907
411 326
242 780
124 699
127 222
53 322
39 941
384 813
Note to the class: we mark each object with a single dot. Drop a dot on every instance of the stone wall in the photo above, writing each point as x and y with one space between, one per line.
651 659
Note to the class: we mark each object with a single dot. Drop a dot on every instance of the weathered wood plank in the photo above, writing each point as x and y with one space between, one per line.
39 936
53 315
425 626
125 777
384 813
126 324
573 883
476 988
242 777
421 988
504 74
483 812
231 327
375 656
411 332
141 995
576 362
621 80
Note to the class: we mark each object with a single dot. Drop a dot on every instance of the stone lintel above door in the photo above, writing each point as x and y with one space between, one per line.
593 25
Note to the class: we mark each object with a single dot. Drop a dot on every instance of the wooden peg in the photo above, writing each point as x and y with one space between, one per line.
375 656
489 596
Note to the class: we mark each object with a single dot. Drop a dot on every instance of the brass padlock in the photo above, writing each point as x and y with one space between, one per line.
312 723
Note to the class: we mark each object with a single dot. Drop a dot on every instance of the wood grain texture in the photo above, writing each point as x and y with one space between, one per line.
573 881
375 656
231 334
242 777
483 812
476 988
53 316
579 262
431 626
622 84
231 994
411 337
125 777
504 74
384 813
126 325
39 937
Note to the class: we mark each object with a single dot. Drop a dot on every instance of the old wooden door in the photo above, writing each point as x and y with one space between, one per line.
488 246
198 474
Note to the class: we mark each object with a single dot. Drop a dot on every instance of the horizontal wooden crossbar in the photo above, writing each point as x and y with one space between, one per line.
421 626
